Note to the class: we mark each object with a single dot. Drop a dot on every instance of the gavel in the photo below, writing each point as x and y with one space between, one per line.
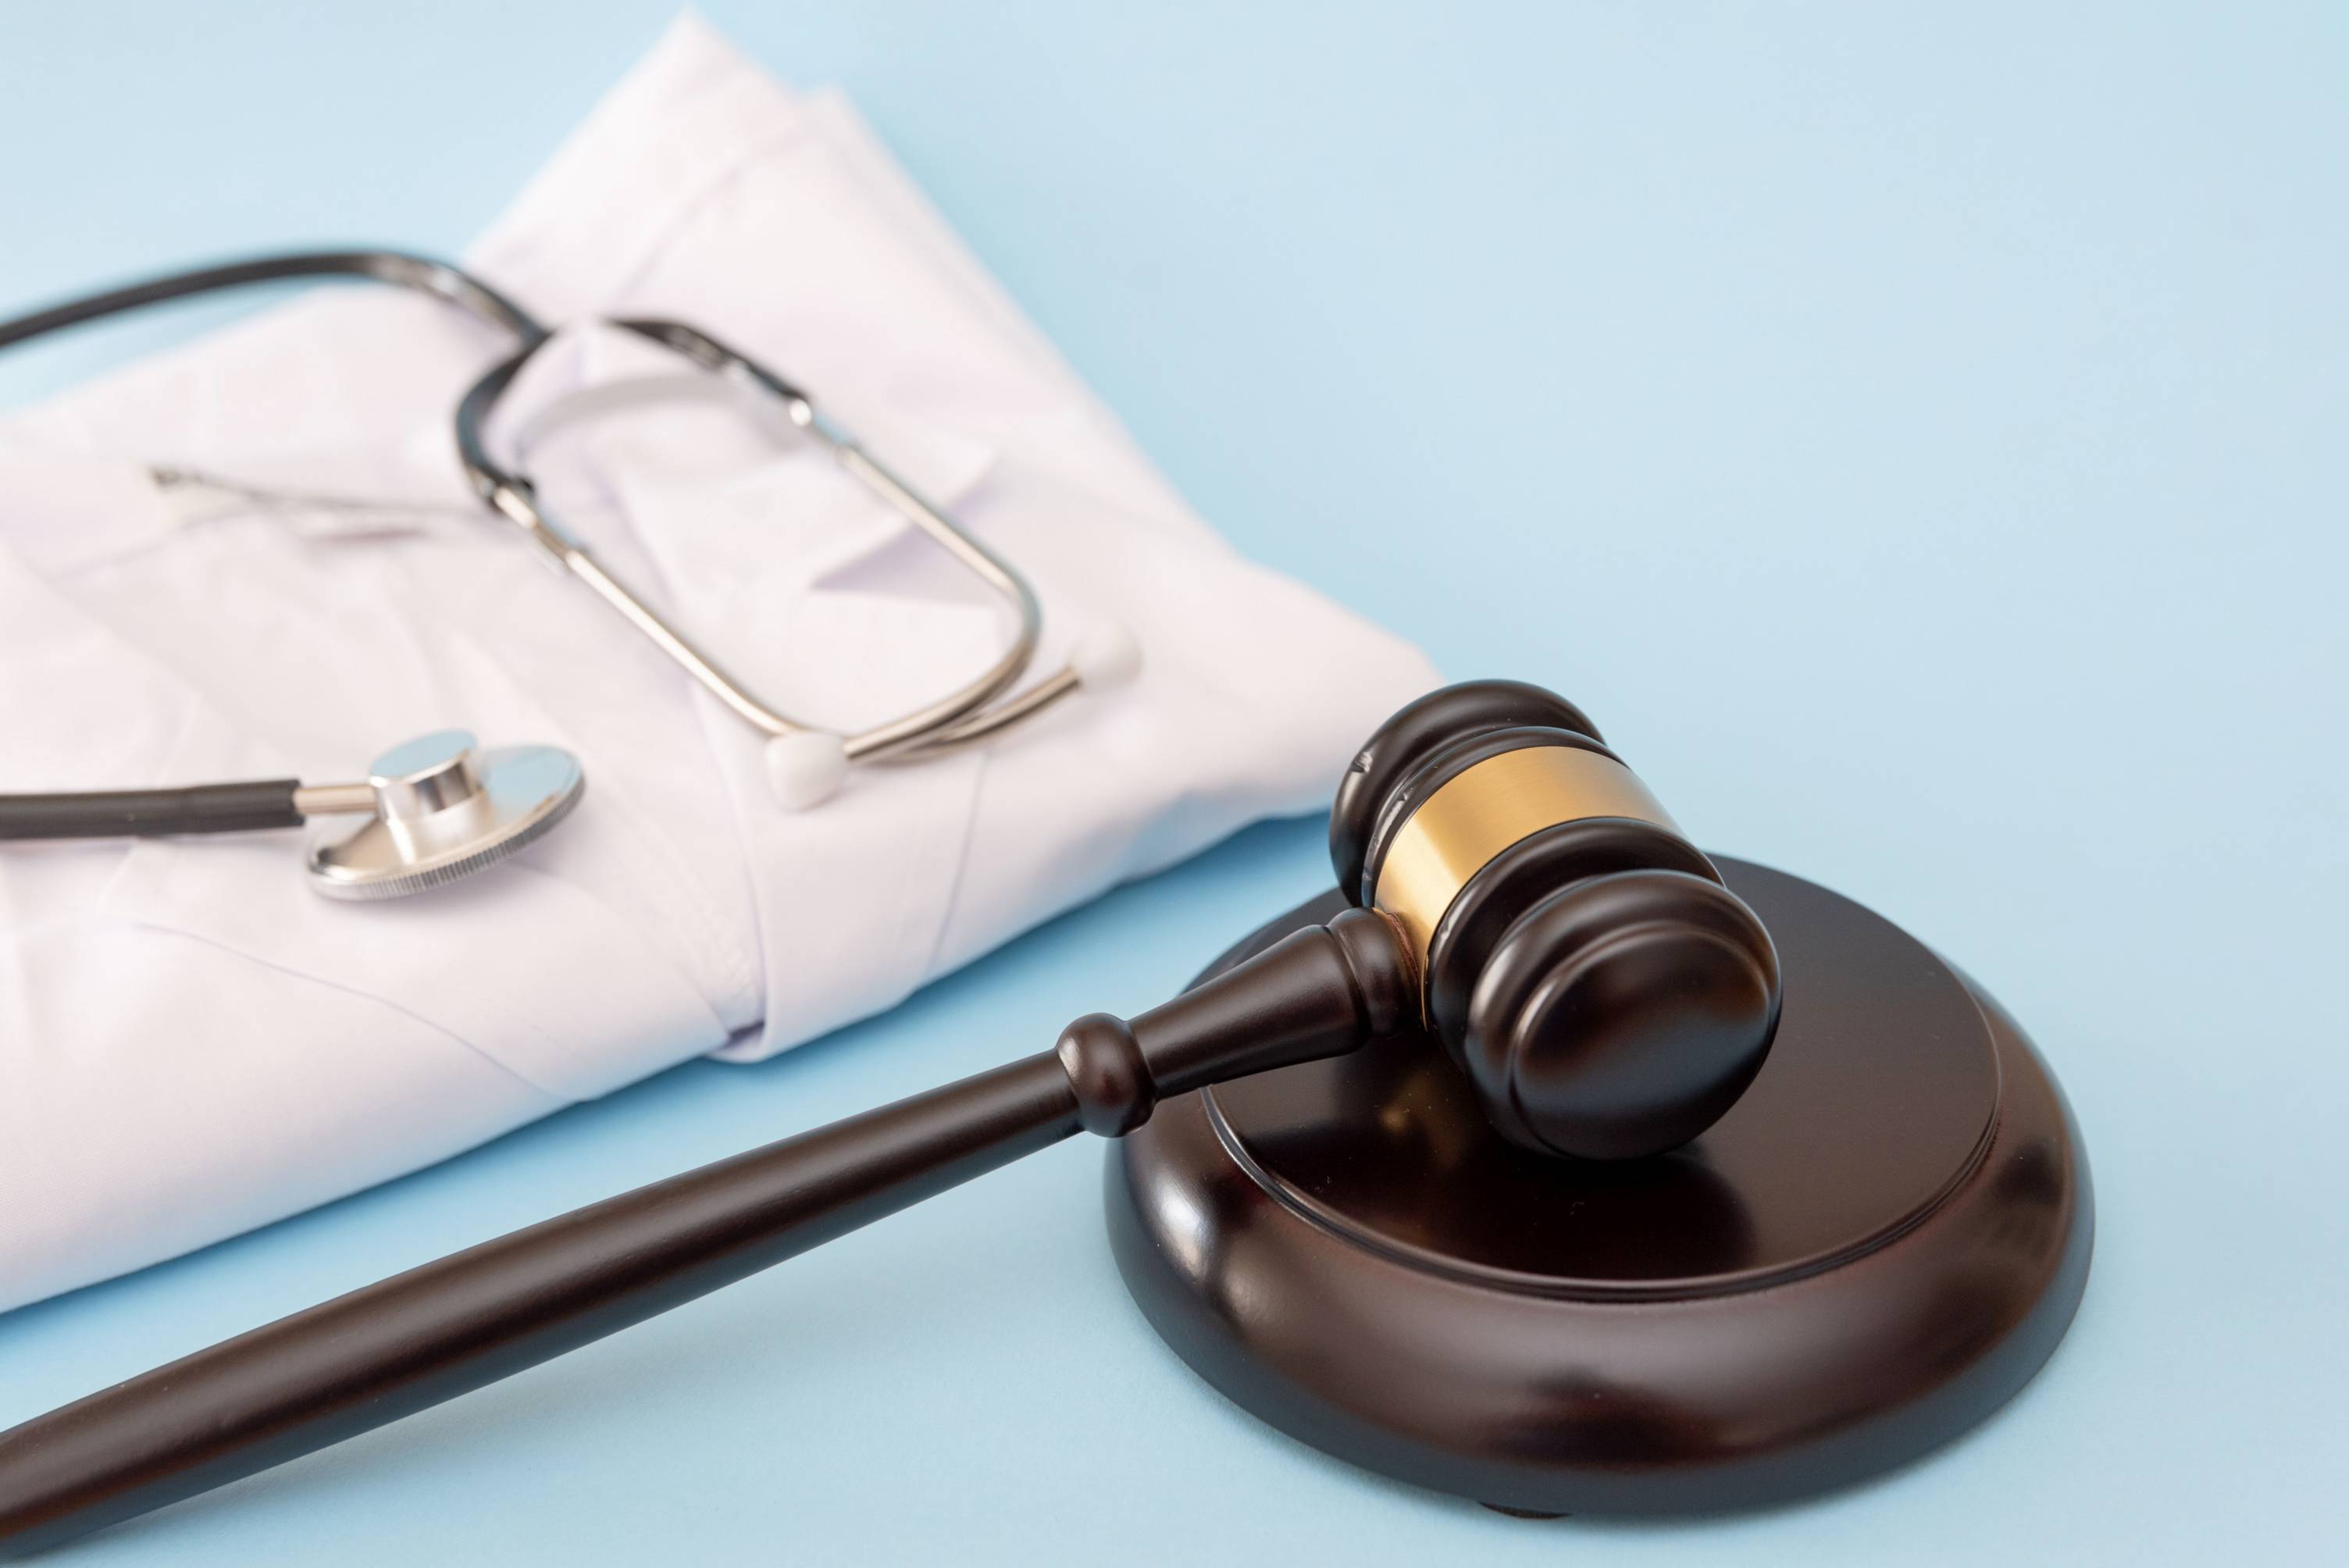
1517 893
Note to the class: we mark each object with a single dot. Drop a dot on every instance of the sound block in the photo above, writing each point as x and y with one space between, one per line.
1874 1249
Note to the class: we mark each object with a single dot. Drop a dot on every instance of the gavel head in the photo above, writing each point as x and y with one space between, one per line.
1607 996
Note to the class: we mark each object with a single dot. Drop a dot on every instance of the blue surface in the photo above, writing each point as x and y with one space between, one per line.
1917 439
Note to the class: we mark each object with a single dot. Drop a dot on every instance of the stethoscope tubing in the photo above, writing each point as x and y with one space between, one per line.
152 813
398 268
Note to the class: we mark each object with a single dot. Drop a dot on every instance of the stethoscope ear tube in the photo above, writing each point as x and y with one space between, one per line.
152 813
805 762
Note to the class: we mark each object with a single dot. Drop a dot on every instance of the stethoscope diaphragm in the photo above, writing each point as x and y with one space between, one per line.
443 809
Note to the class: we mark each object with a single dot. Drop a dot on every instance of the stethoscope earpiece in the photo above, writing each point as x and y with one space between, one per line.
1105 657
807 767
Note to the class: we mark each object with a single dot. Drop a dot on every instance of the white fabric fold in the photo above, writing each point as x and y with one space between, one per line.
191 1043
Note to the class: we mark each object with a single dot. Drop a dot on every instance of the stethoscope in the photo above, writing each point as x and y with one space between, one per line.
438 808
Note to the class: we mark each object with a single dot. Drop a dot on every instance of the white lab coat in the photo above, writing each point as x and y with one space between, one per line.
193 1043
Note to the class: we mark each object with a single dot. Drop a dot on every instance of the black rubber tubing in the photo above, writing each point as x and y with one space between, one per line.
151 813
399 268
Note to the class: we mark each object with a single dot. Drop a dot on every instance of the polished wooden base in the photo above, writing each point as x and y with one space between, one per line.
1875 1249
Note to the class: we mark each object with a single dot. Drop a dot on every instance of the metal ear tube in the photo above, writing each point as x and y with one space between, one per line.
805 762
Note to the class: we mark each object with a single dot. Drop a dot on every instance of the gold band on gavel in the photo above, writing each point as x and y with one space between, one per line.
1485 808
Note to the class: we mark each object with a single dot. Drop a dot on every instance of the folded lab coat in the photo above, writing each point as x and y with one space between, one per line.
193 1043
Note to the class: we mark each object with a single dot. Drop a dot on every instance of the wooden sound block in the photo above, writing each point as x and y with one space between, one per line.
1874 1249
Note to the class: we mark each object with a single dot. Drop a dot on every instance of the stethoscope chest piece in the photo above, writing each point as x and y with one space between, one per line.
442 808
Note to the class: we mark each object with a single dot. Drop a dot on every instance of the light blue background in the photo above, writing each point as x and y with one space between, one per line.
1918 438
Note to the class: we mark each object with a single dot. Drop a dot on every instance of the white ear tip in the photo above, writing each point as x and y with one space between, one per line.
1106 656
805 769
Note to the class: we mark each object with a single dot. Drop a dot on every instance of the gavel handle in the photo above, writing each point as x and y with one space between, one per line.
388 1350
